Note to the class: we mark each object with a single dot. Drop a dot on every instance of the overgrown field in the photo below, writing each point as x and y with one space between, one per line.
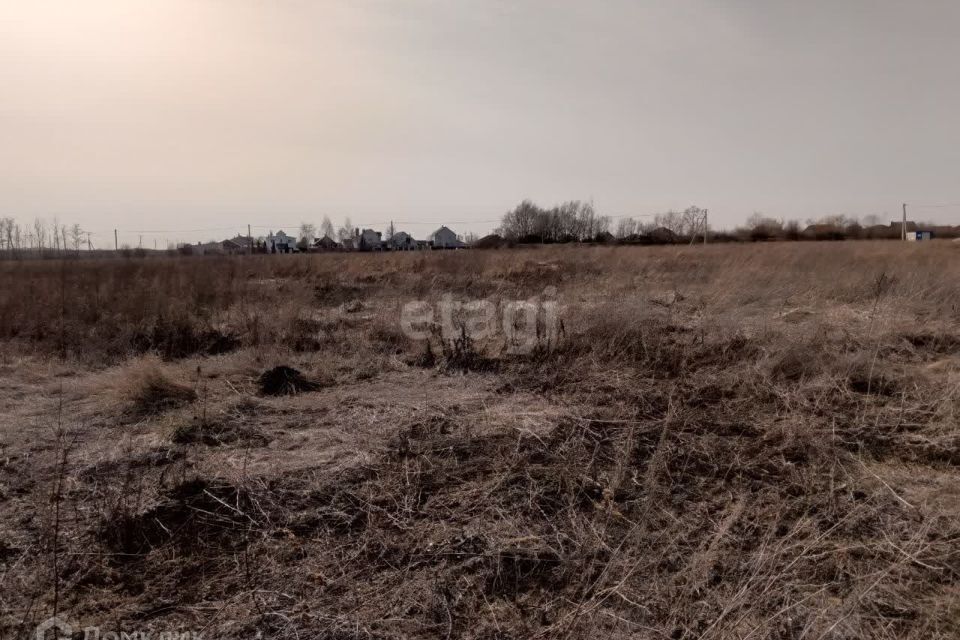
715 442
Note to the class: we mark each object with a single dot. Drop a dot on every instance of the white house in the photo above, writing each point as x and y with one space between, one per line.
444 238
918 235
281 242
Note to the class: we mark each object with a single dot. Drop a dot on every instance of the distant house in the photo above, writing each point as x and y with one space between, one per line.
444 238
237 245
369 240
348 244
916 236
879 232
401 241
326 243
492 241
202 249
280 242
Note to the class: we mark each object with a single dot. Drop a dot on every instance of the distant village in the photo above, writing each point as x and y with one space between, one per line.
527 224
359 240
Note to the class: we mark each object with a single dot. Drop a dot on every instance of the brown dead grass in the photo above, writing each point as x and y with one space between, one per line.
730 442
146 388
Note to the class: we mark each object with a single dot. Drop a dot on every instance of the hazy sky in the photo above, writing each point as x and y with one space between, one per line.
175 115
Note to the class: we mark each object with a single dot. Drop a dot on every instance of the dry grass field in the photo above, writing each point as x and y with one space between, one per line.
751 441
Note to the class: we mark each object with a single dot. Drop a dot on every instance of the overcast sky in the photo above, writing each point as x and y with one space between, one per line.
175 115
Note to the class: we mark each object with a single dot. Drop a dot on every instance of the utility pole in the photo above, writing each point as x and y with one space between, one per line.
89 245
116 245
249 240
705 227
903 226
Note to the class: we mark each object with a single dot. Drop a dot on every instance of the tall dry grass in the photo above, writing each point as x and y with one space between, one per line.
105 310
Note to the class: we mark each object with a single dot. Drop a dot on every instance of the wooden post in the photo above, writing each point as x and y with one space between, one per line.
116 245
903 225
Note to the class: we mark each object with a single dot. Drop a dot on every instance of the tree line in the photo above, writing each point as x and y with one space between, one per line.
572 221
577 221
41 237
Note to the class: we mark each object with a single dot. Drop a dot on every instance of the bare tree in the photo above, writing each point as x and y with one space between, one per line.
572 221
307 234
326 228
5 240
346 231
691 221
872 220
76 237
762 227
39 234
518 224
626 227
17 237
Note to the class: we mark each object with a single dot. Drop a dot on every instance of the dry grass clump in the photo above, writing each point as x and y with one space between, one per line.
148 389
184 336
869 375
462 353
195 515
797 362
217 433
285 381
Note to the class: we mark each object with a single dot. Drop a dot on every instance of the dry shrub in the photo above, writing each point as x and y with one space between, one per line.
195 515
183 336
148 389
285 381
462 354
